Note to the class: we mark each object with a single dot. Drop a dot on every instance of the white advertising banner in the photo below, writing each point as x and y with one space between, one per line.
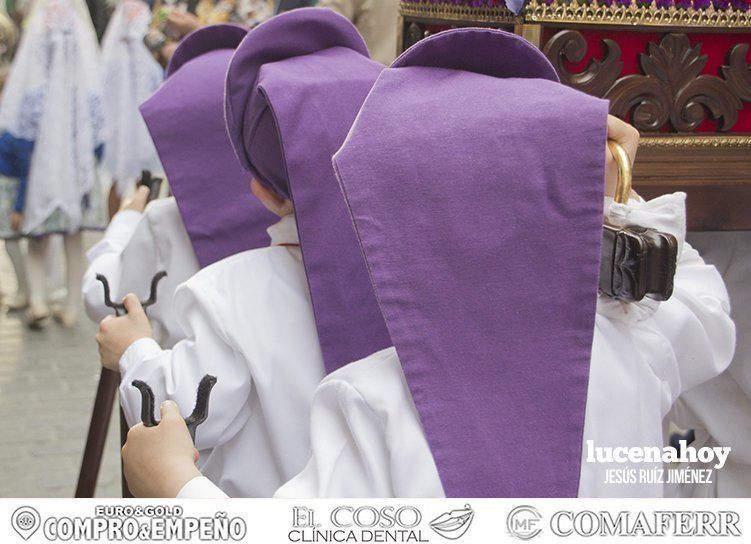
470 521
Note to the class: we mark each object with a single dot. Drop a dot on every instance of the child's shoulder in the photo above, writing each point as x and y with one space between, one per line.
234 273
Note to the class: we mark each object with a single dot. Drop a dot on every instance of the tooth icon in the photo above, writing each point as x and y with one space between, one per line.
454 524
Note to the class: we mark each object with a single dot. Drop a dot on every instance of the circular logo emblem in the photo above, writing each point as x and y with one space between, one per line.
524 522
25 521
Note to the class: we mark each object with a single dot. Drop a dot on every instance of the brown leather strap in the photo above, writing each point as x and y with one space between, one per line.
637 263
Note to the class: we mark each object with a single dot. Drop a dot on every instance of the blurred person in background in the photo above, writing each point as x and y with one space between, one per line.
17 10
173 20
51 137
377 21
100 11
8 40
130 76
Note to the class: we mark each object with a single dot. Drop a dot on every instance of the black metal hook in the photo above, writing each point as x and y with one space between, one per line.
147 403
119 306
153 183
200 411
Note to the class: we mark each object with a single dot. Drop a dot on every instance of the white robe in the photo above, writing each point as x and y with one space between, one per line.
135 247
720 410
248 320
366 436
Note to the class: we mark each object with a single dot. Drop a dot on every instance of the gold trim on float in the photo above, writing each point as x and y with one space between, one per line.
578 12
695 141
448 12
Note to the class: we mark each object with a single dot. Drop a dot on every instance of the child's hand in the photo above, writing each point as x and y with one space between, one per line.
139 200
16 221
182 23
628 137
116 334
159 461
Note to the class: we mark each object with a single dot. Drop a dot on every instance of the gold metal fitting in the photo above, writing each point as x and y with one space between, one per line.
625 176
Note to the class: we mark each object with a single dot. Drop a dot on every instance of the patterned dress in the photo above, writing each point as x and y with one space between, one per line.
51 125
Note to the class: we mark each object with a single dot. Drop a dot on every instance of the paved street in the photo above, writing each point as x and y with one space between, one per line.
47 383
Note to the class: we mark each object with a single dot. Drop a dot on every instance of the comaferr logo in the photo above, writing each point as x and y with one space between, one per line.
526 522
664 523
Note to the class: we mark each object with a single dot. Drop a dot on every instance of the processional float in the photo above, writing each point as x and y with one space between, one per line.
678 70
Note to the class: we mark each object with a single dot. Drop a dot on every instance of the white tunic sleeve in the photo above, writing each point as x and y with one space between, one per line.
350 452
104 258
645 354
248 321
175 374
695 322
201 488
367 440
721 407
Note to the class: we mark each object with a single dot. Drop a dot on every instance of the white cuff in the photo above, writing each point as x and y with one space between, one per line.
201 487
666 213
125 219
141 349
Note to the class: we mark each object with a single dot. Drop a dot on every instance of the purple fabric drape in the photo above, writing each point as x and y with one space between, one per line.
295 86
186 120
475 182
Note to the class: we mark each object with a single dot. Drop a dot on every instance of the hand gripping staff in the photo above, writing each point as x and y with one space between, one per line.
103 402
201 410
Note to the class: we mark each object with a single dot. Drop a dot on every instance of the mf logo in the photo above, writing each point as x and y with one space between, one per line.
524 522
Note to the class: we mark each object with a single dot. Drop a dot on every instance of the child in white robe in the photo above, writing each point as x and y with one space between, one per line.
249 319
367 438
